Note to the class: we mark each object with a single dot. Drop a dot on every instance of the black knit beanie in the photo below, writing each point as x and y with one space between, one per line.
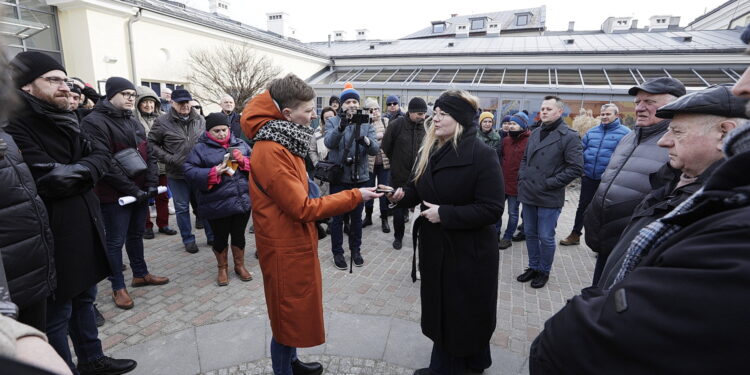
417 104
459 109
216 119
117 84
30 65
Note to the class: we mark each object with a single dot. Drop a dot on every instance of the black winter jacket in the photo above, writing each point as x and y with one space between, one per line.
401 144
26 241
172 138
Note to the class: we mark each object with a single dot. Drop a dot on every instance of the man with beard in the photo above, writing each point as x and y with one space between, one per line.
65 165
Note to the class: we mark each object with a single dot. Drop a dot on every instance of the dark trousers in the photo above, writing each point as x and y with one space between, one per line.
74 317
399 221
231 225
443 363
34 315
588 189
162 207
124 225
383 177
355 223
282 357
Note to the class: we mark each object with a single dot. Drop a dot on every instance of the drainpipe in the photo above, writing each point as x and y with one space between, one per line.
133 19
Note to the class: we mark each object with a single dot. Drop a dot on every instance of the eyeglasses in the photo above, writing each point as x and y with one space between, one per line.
390 104
439 115
58 82
128 95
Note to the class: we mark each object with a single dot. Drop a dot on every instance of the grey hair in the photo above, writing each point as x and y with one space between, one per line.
610 105
226 96
371 103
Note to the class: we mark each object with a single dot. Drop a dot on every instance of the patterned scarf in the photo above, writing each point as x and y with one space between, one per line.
653 236
294 137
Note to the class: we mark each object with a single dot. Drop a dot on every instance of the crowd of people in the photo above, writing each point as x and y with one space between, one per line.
664 205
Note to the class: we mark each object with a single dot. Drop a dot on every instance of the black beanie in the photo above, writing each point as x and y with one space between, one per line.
216 119
117 84
461 111
30 65
417 104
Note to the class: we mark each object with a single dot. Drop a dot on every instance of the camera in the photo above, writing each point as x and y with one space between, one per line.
360 116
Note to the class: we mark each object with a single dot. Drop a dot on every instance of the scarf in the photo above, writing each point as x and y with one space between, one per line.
224 143
294 137
63 118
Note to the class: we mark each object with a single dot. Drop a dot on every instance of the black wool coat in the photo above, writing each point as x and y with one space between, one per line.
682 310
75 220
459 257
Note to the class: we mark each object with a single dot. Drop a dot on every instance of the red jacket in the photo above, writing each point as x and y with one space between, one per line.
513 149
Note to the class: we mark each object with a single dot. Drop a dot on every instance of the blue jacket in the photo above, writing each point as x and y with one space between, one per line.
336 142
598 145
232 195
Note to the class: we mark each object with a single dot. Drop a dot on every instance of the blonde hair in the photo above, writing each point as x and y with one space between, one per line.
432 143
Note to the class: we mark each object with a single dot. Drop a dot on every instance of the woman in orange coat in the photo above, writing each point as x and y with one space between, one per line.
278 121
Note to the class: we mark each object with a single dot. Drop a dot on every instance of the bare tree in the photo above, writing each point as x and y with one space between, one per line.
235 70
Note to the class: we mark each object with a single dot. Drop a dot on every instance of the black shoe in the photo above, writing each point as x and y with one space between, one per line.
251 229
520 236
367 221
397 244
357 259
321 232
540 280
504 244
423 371
168 231
107 366
148 234
527 275
210 242
98 317
339 261
191 247
124 267
198 224
309 368
385 226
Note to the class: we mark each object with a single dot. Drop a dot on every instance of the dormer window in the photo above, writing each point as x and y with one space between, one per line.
438 27
522 20
622 22
661 20
360 33
477 24
338 34
493 26
462 27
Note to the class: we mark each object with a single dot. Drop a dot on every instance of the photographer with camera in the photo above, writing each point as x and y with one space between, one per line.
350 137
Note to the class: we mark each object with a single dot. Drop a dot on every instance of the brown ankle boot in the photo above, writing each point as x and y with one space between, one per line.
122 299
221 259
239 264
573 239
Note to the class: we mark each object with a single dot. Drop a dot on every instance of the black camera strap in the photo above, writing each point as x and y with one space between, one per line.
348 146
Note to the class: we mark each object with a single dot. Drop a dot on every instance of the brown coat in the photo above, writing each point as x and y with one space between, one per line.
285 235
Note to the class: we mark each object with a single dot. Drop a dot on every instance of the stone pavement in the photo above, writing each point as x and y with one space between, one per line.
192 326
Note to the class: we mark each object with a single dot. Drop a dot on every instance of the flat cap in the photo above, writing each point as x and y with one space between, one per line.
661 85
715 100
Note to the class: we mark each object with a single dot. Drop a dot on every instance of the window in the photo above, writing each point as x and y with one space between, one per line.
493 26
438 27
462 27
522 20
360 33
338 34
477 24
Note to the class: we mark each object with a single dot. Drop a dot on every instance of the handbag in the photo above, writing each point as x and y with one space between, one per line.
131 162
330 171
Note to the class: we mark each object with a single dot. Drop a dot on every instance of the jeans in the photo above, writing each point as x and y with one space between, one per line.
182 196
75 317
443 363
588 189
162 207
282 357
355 223
124 225
539 225
513 204
383 177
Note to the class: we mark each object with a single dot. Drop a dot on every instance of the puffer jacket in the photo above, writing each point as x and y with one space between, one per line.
336 142
624 184
26 243
513 150
172 139
148 120
401 143
380 128
598 145
232 195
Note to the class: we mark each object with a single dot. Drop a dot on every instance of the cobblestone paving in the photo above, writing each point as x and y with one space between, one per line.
333 365
382 287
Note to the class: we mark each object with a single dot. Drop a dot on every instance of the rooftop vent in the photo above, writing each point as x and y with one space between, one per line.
450 44
569 41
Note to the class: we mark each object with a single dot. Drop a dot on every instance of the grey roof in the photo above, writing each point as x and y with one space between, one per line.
214 21
662 42
506 18
710 12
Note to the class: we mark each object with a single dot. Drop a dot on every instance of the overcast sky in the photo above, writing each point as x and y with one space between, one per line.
395 19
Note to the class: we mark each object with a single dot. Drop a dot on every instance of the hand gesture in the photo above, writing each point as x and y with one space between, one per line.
431 213
396 196
369 193
238 157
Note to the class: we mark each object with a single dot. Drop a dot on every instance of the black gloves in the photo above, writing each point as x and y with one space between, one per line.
362 140
342 125
63 180
141 197
152 192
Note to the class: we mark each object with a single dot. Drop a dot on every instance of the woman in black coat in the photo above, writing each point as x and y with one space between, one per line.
459 184
218 168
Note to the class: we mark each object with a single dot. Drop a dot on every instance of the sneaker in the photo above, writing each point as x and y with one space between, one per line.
191 247
504 244
527 275
168 231
520 236
107 365
339 261
98 317
572 239
540 280
357 259
148 234
397 244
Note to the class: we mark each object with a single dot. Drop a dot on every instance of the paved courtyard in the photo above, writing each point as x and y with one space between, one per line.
192 326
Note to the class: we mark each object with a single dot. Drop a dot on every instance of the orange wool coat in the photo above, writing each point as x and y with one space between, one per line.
285 234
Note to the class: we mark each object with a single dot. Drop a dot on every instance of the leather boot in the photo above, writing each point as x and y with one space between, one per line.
368 217
221 259
573 239
306 368
385 226
239 264
122 299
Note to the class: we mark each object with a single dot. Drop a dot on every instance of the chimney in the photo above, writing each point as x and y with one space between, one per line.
278 22
613 24
220 7
453 15
462 30
663 22
571 26
338 35
362 34
634 25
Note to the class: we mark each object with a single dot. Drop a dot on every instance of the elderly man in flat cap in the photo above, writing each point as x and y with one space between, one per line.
625 182
678 303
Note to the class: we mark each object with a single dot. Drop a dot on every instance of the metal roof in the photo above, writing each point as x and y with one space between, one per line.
507 20
214 21
640 41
